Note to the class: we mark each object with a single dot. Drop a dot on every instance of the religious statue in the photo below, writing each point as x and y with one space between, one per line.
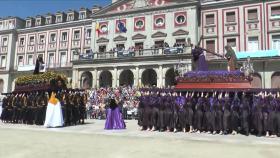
247 68
231 57
39 66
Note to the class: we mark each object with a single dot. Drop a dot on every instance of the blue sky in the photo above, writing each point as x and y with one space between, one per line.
25 8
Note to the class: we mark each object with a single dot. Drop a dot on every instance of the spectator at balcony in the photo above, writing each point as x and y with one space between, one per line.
166 45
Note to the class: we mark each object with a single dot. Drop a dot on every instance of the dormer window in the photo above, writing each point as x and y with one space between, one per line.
28 23
48 20
82 15
38 22
70 17
58 19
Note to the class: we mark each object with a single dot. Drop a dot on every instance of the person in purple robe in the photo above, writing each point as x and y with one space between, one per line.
114 118
244 114
182 114
199 59
234 119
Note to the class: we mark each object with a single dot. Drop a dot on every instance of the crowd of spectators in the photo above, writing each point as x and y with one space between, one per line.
126 96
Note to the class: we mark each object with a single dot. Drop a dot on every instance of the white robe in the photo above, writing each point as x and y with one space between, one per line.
54 117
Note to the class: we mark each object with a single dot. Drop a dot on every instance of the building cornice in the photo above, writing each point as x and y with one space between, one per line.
221 4
103 14
7 31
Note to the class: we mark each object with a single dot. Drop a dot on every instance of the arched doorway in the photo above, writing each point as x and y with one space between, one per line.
170 78
105 79
126 78
275 80
1 85
86 80
257 81
149 77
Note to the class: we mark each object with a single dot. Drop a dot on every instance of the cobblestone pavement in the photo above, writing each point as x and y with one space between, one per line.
92 141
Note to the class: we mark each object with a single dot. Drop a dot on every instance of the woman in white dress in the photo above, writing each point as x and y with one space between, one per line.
54 117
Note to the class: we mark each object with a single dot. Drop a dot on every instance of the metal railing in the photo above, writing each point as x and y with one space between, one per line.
134 53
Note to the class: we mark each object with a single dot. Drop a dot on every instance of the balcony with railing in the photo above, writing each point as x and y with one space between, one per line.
133 53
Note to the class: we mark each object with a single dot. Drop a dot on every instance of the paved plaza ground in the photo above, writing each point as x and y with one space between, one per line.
92 141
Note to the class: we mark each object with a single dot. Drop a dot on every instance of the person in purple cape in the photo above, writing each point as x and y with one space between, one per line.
162 100
234 119
182 114
189 110
272 117
155 110
257 114
114 118
140 110
218 108
174 117
199 59
168 112
198 115
226 115
147 115
278 114
245 113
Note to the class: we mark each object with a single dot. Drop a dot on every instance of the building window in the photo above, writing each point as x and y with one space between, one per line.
82 15
38 22
159 22
232 42
4 41
53 37
58 19
275 11
28 23
139 24
42 39
20 61
3 61
253 43
102 48
276 42
21 41
30 59
63 59
104 28
64 36
76 34
181 19
31 40
88 33
253 14
230 17
48 20
210 45
210 19
70 17
51 60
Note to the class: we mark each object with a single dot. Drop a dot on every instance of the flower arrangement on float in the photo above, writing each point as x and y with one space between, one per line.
218 76
40 81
